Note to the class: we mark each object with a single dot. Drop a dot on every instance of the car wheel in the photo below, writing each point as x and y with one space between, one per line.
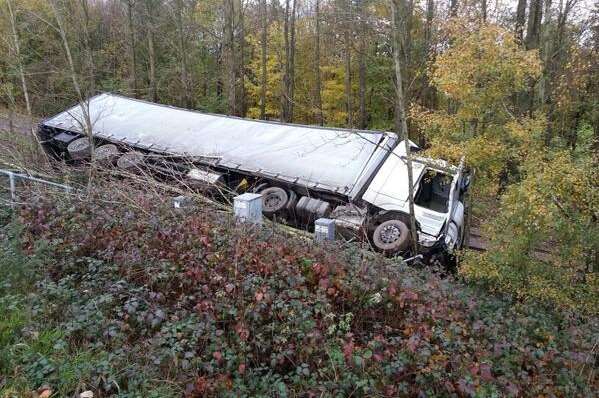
392 236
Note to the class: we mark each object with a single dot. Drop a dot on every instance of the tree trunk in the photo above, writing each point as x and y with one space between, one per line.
153 92
347 59
285 91
544 83
241 72
17 47
86 123
152 62
230 56
187 100
535 15
363 117
520 20
453 8
429 95
483 10
132 46
407 35
88 47
289 74
292 62
13 26
318 88
263 82
401 125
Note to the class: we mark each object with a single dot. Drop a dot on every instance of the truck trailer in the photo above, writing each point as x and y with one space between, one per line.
358 178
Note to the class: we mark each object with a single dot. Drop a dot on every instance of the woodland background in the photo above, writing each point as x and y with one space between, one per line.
513 86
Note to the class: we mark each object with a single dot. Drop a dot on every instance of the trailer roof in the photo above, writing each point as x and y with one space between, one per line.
326 158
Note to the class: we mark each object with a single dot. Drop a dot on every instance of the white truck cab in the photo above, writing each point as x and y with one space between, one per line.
438 199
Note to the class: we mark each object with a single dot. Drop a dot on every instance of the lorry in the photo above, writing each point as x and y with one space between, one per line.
357 178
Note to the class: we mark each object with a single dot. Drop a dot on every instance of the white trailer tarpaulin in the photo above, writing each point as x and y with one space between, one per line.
320 158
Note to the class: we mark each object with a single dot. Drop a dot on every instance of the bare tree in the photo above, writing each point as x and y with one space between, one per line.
130 4
17 50
347 36
264 37
291 97
289 72
241 63
317 88
363 117
183 53
89 53
231 81
401 125
150 22
86 123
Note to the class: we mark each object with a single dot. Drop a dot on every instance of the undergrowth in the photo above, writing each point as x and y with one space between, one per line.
138 300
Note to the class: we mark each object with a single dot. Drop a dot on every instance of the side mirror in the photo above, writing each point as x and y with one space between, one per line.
465 184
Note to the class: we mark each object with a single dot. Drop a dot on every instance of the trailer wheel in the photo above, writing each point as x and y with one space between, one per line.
106 154
274 200
79 149
131 161
392 236
291 203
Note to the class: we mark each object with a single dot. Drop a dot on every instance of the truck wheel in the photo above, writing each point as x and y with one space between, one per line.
392 236
291 203
79 149
131 161
106 154
274 200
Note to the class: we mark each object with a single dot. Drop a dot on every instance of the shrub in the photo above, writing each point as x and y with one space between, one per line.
138 298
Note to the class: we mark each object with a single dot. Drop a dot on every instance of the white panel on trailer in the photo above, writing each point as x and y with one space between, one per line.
320 158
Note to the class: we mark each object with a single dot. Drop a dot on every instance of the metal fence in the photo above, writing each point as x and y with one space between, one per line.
14 176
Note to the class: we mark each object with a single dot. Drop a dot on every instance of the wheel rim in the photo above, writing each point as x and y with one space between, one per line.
390 234
79 144
273 201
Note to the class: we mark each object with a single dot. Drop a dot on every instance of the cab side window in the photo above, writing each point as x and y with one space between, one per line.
433 192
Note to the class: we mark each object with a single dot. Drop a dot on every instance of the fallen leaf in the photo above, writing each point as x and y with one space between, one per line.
46 393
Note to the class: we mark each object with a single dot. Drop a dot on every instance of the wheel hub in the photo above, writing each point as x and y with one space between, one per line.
390 234
272 201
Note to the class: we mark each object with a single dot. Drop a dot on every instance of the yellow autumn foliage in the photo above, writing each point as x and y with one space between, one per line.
545 238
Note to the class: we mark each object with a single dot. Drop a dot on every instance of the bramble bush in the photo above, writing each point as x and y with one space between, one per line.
140 300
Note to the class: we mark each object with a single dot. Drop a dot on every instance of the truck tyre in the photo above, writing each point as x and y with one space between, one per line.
274 200
392 236
79 149
131 161
291 203
107 154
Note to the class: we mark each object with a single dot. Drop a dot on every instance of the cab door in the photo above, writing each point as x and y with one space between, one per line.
454 228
